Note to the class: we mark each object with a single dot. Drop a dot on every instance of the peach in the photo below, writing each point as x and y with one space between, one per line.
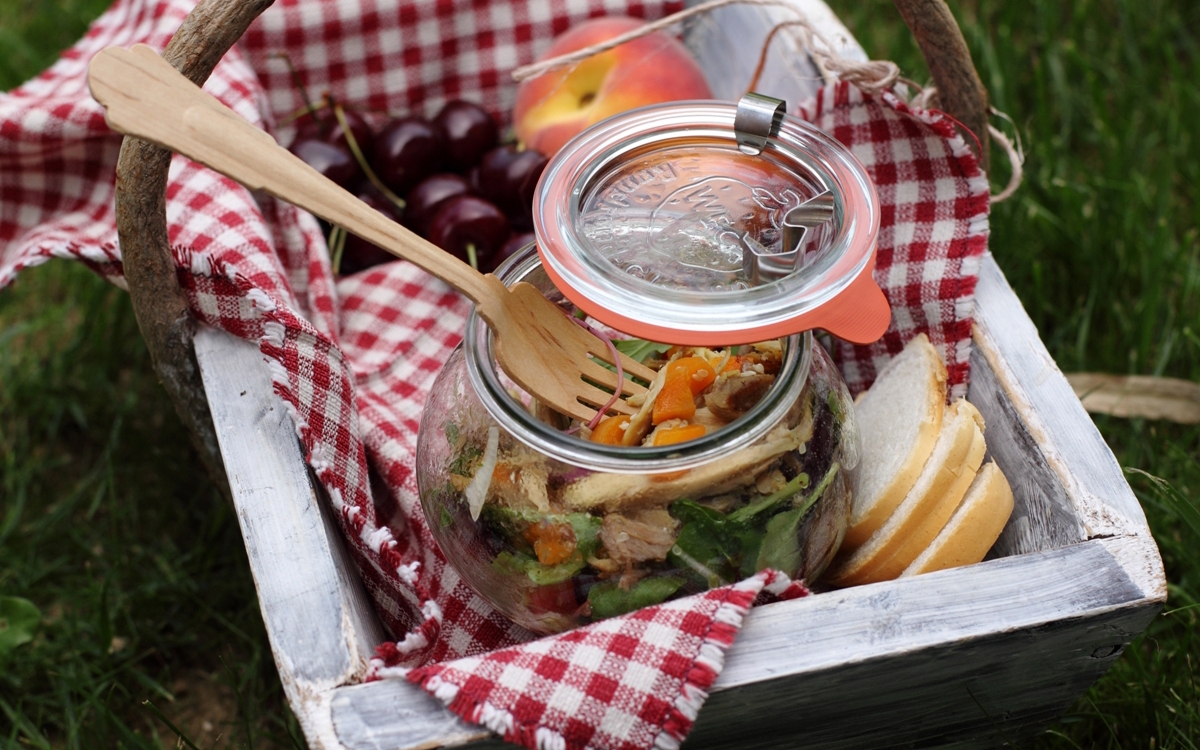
551 108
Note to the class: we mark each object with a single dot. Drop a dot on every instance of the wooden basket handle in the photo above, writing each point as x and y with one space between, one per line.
159 303
207 33
960 92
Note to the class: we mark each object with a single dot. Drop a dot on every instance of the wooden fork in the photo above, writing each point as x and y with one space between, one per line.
537 344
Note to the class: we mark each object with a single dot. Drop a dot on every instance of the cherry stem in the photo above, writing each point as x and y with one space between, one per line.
305 110
472 256
308 105
337 244
352 142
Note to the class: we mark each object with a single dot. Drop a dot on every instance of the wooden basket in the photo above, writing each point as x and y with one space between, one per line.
971 657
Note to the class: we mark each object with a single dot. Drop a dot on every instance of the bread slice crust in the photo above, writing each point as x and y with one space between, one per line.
923 534
938 480
975 526
916 378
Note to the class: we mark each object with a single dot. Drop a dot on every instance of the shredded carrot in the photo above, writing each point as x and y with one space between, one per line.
673 435
552 542
733 365
686 378
610 430
504 475
699 372
675 400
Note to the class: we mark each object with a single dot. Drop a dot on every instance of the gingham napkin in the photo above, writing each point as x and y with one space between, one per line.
353 363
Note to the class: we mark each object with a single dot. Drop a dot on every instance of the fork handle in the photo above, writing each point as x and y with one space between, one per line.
146 97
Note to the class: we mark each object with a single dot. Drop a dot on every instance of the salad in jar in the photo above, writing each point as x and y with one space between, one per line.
555 543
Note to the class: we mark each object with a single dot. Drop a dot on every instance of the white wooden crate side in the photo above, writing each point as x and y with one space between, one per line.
1044 516
1052 419
914 649
318 619
1062 611
974 693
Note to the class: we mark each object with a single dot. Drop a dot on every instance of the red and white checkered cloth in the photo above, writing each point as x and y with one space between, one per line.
354 362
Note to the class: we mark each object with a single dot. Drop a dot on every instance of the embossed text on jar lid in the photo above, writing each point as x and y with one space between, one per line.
664 223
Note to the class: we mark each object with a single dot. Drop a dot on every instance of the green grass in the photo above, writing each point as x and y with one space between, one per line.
110 527
135 565
33 32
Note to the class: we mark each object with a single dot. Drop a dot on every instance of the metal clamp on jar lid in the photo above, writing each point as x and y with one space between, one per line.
708 223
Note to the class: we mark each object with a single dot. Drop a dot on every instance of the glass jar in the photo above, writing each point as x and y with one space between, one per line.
570 531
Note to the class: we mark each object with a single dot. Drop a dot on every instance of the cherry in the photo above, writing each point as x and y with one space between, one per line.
510 248
508 177
372 196
335 162
406 150
357 253
464 223
328 129
468 131
423 201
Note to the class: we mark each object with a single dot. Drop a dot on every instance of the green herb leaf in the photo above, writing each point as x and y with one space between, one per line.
639 349
464 462
815 495
609 600
19 619
747 512
752 543
511 524
834 401
781 545
506 523
587 531
515 562
707 544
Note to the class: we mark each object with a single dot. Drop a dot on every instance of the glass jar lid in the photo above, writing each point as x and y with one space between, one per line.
710 223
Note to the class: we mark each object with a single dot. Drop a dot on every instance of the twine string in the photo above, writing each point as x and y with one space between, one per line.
1016 158
872 76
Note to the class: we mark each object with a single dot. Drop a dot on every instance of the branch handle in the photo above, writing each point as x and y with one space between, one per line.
960 92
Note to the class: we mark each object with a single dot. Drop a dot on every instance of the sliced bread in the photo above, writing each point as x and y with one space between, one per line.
921 535
940 484
974 527
899 419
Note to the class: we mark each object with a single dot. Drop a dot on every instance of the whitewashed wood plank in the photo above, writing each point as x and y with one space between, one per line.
1056 421
1043 517
968 693
884 644
320 625
1041 626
